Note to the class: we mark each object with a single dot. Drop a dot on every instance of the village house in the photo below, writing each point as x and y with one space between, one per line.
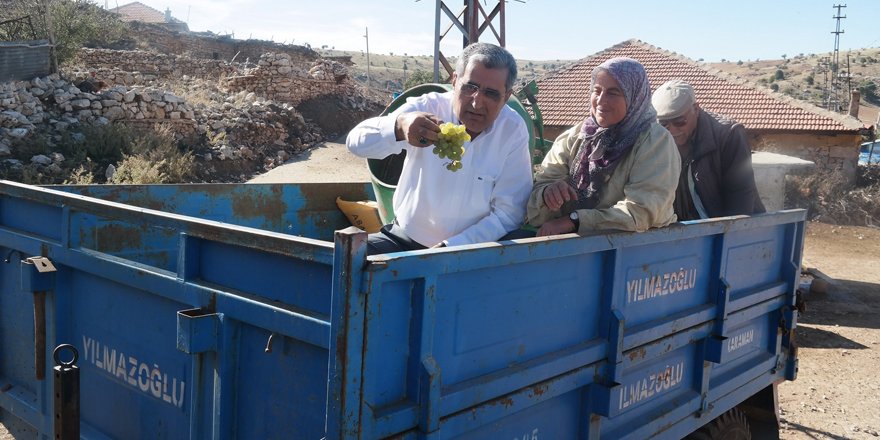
137 11
774 122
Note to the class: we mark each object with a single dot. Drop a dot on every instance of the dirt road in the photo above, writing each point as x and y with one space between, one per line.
326 162
837 394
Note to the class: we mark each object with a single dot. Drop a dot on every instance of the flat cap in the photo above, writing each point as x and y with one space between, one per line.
673 99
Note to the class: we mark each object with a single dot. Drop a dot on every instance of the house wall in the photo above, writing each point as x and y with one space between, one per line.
837 153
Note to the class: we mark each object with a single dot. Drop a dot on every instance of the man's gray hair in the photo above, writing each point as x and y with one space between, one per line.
491 57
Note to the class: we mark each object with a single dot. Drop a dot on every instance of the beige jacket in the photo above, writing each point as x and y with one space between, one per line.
638 195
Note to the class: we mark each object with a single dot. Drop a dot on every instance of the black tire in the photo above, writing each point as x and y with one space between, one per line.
732 425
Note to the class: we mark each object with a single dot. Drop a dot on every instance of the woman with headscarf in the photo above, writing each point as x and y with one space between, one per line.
618 169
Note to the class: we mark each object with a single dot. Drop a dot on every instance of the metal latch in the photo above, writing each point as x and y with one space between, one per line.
38 282
42 264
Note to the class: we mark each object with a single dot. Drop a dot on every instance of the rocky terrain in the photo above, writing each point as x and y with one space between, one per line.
235 126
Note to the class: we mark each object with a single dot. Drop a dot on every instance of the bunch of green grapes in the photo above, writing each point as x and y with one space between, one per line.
450 144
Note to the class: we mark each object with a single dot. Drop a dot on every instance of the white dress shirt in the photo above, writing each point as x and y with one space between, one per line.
481 202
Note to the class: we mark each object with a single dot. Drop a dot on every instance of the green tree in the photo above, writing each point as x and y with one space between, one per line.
75 23
780 75
418 77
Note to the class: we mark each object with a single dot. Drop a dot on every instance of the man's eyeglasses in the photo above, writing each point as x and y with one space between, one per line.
470 89
678 122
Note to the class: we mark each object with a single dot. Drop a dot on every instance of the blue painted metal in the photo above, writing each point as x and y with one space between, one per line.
223 311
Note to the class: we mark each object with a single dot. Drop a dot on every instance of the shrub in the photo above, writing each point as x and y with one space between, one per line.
155 158
75 23
419 77
81 175
827 197
102 144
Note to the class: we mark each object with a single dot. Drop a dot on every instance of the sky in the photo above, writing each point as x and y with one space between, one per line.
710 30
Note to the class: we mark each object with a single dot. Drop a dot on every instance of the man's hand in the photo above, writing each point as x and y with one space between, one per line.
557 194
419 129
562 225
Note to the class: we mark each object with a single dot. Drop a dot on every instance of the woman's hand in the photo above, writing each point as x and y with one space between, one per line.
562 225
557 194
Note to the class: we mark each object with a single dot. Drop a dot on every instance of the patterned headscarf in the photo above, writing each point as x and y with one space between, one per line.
605 146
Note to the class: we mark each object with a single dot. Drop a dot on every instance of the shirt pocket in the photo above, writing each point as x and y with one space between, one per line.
481 192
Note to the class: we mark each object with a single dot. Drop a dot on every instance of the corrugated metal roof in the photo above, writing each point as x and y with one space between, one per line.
563 96
24 60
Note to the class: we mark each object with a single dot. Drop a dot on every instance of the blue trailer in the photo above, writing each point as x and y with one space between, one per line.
252 311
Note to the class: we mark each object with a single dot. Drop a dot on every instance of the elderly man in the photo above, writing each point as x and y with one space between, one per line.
716 163
485 198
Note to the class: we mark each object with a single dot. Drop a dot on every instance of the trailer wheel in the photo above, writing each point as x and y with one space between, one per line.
732 425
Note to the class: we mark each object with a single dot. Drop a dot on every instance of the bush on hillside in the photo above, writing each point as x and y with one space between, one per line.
828 198
138 156
418 77
75 23
155 159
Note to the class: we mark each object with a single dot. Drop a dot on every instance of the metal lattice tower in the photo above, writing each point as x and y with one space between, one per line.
472 20
834 100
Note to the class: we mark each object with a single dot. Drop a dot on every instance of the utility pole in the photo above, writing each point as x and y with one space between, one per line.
834 101
467 21
367 36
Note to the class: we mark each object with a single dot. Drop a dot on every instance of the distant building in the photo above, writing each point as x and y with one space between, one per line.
137 11
774 122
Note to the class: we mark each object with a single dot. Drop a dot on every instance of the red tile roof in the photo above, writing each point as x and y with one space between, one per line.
137 11
563 97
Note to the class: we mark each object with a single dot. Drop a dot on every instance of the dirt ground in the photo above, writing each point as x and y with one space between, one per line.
836 394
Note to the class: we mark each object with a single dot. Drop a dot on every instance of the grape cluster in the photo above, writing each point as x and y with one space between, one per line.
450 144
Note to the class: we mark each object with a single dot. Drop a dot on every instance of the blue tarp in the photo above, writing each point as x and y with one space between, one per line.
869 151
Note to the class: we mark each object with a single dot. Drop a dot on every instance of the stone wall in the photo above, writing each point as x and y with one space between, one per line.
26 103
279 78
135 67
831 153
53 107
209 46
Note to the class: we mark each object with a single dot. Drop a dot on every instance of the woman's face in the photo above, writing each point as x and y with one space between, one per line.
607 101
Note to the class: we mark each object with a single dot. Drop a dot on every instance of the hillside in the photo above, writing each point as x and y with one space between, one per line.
807 77
803 76
387 73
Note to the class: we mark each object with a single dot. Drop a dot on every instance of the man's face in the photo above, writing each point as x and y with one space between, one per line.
480 94
682 127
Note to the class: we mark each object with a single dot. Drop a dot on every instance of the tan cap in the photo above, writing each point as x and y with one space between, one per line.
673 99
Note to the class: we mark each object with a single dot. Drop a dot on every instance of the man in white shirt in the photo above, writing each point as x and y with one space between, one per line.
485 199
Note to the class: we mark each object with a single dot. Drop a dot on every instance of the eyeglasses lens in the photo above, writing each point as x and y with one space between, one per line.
677 123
